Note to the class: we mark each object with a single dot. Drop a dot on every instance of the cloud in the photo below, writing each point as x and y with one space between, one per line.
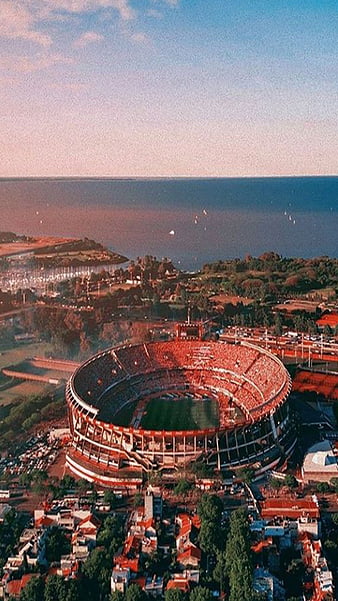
29 64
153 12
171 3
125 11
21 19
88 38
16 21
139 37
123 7
71 87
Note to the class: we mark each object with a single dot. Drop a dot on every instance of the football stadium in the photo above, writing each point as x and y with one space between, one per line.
163 405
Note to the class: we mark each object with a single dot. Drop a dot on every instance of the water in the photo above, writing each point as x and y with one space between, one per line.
192 221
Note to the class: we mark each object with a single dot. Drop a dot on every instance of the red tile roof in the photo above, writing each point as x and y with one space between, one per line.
150 523
191 552
329 319
289 508
92 519
14 588
181 583
44 521
124 562
141 581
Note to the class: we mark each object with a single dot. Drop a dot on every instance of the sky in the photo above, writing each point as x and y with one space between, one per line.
129 88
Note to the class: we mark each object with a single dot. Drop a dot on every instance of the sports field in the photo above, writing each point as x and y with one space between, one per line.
180 414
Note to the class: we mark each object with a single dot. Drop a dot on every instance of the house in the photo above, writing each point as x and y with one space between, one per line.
179 582
312 555
14 587
87 529
291 508
184 523
65 517
189 558
69 566
267 585
154 586
119 579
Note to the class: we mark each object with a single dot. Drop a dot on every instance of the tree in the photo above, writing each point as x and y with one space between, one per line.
220 568
323 487
39 476
331 549
116 596
134 593
68 482
246 474
34 590
334 483
275 483
200 593
209 536
55 588
174 594
182 487
94 563
31 421
25 480
238 557
210 508
334 518
202 470
74 592
111 534
294 577
82 485
110 497
290 481
278 324
57 544
94 572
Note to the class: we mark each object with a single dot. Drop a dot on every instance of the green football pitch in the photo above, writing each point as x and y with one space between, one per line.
180 414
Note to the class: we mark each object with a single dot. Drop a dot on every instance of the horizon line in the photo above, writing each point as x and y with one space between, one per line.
160 177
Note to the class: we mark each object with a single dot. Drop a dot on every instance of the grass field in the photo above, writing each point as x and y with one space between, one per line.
21 352
17 388
180 414
22 388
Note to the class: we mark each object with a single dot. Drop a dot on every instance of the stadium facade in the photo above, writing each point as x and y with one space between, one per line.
250 385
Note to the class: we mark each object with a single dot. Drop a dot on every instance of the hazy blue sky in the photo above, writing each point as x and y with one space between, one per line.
168 87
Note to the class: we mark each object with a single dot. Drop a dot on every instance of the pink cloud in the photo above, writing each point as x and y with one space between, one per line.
88 38
16 21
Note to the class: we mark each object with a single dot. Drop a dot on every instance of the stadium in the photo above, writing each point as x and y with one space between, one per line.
163 405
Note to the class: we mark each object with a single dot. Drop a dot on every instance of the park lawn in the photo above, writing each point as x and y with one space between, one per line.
16 389
20 352
21 389
180 414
